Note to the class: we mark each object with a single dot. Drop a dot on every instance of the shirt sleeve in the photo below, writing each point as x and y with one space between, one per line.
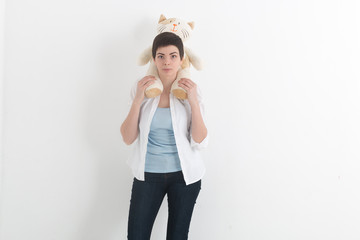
132 94
130 102
204 143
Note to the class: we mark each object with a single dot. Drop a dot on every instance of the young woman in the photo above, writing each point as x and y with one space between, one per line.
170 133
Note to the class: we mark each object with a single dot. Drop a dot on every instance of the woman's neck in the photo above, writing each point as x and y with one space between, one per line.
167 82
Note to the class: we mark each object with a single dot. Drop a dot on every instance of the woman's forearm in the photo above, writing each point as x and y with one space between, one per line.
199 130
130 127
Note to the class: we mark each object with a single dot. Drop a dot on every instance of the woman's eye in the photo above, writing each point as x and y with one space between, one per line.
160 56
173 56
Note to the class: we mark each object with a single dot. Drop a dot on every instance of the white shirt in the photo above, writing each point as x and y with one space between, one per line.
191 161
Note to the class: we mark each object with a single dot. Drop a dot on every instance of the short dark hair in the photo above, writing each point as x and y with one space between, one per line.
165 39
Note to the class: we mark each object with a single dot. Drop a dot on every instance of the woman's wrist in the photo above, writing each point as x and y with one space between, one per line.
137 103
195 105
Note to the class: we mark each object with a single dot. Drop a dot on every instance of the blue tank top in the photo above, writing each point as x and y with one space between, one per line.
162 154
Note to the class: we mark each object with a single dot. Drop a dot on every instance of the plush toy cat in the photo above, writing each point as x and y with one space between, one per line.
183 30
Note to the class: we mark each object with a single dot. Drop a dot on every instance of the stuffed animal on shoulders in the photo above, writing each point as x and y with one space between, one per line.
183 29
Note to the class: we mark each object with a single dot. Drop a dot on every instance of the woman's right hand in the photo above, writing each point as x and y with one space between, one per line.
142 85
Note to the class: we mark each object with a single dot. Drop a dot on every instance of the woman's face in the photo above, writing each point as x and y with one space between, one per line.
167 61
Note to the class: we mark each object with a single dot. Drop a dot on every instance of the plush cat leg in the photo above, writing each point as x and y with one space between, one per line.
189 57
177 91
156 88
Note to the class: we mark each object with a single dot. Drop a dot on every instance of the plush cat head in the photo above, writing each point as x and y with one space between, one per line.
179 27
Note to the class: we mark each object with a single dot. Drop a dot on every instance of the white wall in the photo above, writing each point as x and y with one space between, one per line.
282 90
2 75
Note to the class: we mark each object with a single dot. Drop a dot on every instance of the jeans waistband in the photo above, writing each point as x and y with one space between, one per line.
161 177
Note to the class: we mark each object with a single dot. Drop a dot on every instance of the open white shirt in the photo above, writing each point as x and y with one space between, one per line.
191 161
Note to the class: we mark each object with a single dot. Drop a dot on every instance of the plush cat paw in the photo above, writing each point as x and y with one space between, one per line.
151 93
180 93
154 89
177 91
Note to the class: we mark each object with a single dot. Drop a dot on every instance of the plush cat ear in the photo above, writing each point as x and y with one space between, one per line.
192 25
162 18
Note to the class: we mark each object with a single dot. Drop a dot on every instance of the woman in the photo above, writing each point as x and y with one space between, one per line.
166 158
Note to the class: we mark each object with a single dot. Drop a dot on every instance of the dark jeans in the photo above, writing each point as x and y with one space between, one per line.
146 199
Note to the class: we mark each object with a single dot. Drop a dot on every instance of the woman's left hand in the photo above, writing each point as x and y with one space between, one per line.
190 87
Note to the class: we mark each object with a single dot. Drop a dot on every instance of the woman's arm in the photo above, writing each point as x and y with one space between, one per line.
130 127
198 128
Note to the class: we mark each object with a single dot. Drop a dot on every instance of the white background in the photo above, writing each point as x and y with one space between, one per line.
282 91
